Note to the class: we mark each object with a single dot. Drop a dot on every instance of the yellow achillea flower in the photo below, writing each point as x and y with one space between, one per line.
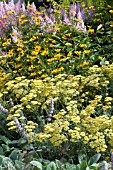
12 128
34 102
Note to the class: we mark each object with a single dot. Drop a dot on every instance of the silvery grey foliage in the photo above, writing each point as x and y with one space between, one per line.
19 124
112 161
104 165
50 112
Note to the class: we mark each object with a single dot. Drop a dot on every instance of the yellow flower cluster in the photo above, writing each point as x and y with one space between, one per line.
72 122
30 126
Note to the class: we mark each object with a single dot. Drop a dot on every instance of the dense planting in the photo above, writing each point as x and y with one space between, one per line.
56 95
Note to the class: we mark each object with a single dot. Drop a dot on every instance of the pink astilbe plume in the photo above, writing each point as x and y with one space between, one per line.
47 20
72 11
80 24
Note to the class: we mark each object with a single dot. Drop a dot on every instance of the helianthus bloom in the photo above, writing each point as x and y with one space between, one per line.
84 64
9 12
91 31
100 57
57 56
45 52
55 71
22 16
38 48
10 53
64 37
4 16
21 53
34 53
87 52
69 54
9 40
77 52
4 44
57 50
111 25
82 45
57 29
37 23
111 11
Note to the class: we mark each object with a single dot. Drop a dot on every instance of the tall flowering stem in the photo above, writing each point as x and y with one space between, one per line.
104 165
50 112
19 127
4 110
112 161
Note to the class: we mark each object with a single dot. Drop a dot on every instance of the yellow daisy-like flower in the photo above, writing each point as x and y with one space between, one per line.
77 52
91 31
111 25
45 52
82 45
84 64
69 54
87 51
57 50
10 53
100 57
38 48
57 56
111 11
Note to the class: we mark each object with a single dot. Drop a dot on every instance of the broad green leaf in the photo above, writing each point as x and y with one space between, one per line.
58 164
78 167
83 165
1 151
19 165
94 159
4 139
71 166
2 168
14 155
37 164
103 61
51 166
1 158
81 157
